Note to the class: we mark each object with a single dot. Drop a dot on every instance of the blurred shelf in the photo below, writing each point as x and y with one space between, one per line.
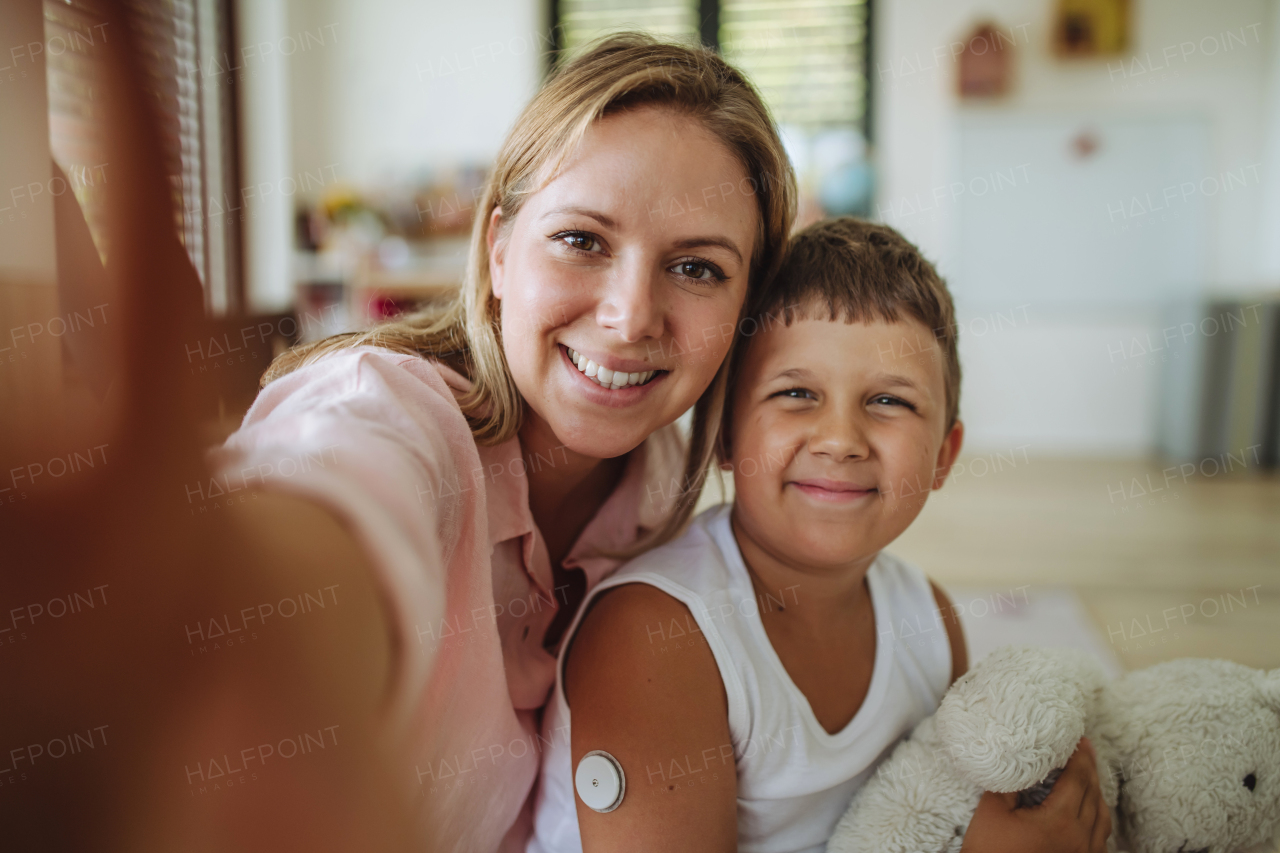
340 293
428 270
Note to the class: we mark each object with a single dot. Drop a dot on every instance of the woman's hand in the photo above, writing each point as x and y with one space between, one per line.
1073 819
155 634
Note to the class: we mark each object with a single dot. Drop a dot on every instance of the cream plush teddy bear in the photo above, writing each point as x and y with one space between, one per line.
1188 754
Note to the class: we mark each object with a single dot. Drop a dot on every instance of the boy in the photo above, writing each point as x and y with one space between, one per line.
805 652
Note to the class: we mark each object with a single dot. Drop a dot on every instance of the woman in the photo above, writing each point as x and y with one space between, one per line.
494 463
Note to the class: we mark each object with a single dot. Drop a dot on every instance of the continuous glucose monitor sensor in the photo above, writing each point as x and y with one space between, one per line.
600 781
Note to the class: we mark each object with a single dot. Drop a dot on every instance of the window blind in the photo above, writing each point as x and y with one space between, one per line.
178 44
582 21
808 57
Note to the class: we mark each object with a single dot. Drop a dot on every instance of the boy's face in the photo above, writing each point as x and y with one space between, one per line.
838 435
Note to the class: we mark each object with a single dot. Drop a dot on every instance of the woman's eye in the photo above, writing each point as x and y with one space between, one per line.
581 242
698 271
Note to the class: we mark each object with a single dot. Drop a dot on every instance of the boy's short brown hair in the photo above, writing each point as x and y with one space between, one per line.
857 271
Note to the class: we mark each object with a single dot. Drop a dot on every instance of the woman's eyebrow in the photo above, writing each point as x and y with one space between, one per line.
608 222
699 242
602 218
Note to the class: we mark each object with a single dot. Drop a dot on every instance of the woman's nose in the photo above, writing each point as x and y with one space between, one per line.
838 436
631 304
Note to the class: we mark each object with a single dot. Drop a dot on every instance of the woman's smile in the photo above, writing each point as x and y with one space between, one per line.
623 388
611 372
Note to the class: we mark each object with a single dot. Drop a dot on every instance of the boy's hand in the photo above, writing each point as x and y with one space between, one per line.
1073 819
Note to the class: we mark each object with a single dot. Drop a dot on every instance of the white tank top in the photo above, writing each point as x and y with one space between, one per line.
794 779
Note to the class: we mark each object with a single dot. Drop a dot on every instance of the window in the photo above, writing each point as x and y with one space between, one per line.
808 57
179 40
580 21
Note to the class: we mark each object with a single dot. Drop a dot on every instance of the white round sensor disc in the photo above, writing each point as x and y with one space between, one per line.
600 781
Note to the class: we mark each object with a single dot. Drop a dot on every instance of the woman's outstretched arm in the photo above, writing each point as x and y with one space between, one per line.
174 680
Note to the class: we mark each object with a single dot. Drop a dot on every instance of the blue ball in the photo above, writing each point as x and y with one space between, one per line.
846 191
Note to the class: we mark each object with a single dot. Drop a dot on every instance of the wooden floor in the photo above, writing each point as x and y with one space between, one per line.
1168 565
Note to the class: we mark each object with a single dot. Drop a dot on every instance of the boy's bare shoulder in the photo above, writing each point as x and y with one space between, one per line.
622 638
647 702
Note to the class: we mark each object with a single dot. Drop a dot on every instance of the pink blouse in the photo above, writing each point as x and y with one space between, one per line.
378 438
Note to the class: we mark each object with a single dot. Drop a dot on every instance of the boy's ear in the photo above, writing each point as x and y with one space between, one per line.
724 453
947 454
496 247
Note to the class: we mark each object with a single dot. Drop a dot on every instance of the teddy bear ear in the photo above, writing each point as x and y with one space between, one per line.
1017 715
1271 689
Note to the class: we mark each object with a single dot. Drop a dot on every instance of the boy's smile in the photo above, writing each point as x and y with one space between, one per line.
838 434
833 491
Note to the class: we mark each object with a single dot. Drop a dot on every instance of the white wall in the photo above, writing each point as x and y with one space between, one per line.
261 32
916 113
1269 224
1049 382
399 85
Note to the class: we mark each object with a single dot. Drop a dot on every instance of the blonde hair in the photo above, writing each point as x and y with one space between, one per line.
620 72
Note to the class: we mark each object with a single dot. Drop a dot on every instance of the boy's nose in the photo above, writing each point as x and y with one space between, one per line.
838 437
631 304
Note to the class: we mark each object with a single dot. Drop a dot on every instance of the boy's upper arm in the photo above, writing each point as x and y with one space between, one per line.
662 712
955 634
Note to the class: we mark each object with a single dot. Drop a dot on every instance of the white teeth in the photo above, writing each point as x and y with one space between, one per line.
606 378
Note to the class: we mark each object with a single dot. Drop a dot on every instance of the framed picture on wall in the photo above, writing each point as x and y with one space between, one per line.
986 65
1090 27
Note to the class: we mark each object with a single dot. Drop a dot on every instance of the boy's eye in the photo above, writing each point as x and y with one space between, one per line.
795 394
886 400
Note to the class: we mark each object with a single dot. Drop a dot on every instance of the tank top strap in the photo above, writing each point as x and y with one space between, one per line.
911 623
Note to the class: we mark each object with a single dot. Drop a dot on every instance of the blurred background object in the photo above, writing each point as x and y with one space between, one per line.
985 69
1091 27
1099 181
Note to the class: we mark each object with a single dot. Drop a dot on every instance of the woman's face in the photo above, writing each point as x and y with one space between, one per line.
633 263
